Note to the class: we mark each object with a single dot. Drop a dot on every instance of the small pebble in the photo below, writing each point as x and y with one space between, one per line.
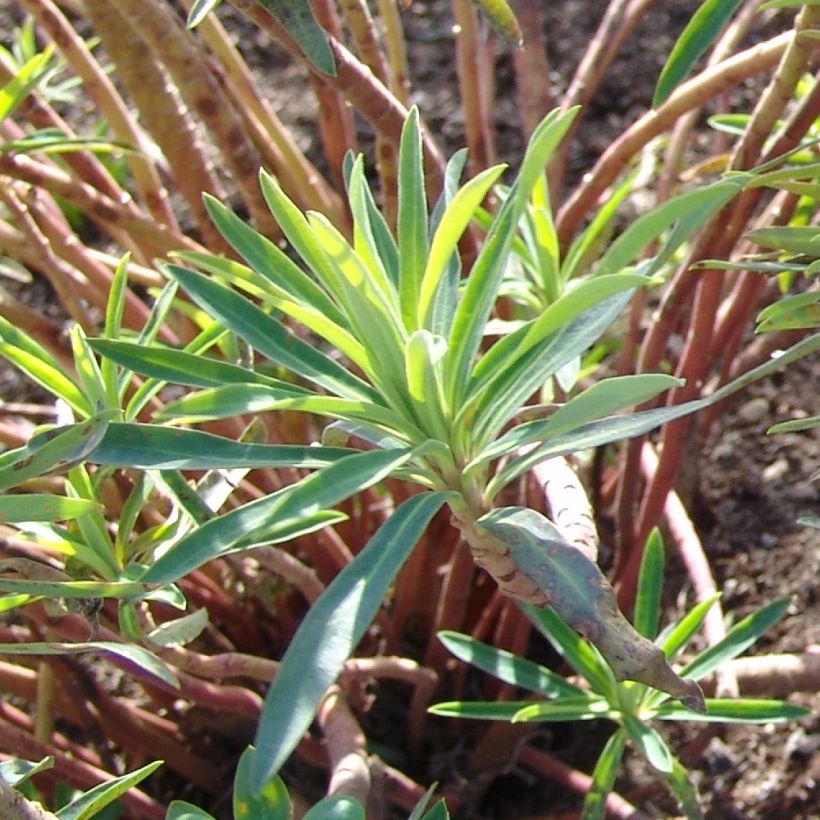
754 410
776 470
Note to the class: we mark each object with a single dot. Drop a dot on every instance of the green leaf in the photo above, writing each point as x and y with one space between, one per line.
604 397
16 772
88 804
269 336
180 809
134 655
650 587
504 22
603 777
38 364
24 81
370 304
180 631
485 277
282 511
336 807
794 425
506 666
739 710
478 710
296 16
786 4
798 311
53 450
649 743
238 399
582 657
330 632
738 639
504 395
151 447
802 239
271 802
181 367
620 427
580 707
423 354
411 225
699 34
43 507
269 261
690 210
684 790
585 247
454 221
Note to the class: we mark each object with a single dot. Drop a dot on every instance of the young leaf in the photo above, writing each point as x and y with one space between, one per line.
412 220
91 802
336 807
739 710
603 777
506 666
269 261
650 587
699 34
580 707
43 507
269 336
649 743
478 710
739 638
182 810
454 221
485 277
332 628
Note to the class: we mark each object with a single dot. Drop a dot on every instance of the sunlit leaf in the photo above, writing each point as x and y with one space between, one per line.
700 32
330 631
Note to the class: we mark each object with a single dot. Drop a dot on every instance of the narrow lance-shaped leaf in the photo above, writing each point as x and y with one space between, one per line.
269 336
43 507
285 509
135 655
297 18
561 575
92 802
603 777
150 446
485 277
52 450
332 628
698 35
412 219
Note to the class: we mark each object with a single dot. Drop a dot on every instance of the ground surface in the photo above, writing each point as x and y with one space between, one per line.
751 487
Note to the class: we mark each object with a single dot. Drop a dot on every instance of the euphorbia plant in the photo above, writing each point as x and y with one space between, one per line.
407 374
